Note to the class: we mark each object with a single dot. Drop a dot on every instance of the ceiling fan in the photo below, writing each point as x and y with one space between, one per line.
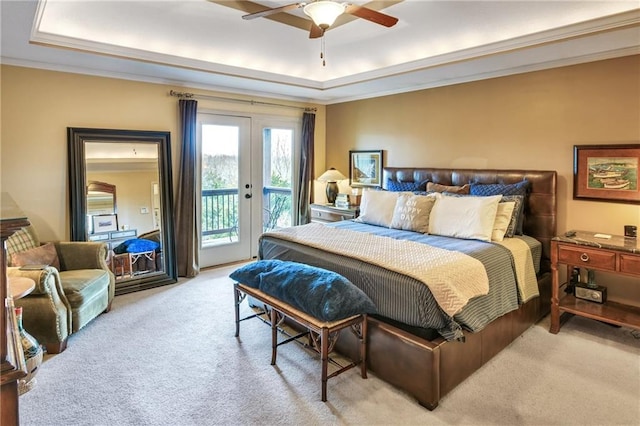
324 13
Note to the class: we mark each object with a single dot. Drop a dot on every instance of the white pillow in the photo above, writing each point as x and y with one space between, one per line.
503 219
376 207
464 217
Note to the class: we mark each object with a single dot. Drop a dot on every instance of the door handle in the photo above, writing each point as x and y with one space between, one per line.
248 196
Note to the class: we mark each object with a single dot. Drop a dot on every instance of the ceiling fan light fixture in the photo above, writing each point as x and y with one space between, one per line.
324 12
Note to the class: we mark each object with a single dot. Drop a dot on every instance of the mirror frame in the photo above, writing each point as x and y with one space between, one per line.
77 138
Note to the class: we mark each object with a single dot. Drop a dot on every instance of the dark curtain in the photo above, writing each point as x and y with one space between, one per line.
306 168
187 233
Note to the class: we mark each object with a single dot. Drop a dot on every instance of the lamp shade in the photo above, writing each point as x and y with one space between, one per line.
324 12
331 175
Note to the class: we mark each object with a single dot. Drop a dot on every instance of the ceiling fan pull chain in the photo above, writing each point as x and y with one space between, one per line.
322 50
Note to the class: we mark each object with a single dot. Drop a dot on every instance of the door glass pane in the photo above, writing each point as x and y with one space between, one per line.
219 184
277 178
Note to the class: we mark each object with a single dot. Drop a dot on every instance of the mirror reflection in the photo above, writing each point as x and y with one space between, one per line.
101 198
136 226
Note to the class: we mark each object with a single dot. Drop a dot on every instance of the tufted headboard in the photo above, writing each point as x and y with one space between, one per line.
540 207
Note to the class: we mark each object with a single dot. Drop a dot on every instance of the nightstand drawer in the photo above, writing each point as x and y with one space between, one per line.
328 213
585 257
329 216
629 263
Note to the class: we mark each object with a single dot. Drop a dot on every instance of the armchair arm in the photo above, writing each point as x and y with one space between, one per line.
47 280
48 305
81 255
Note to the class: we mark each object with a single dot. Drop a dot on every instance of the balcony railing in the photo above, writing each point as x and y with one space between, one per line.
220 211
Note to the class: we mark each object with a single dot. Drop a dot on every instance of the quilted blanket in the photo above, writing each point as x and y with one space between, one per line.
452 277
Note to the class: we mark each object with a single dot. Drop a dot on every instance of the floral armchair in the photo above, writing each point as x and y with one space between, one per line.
73 285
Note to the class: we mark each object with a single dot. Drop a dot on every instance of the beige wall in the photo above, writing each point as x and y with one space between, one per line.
38 106
526 121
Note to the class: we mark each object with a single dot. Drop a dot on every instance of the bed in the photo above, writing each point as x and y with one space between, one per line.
414 342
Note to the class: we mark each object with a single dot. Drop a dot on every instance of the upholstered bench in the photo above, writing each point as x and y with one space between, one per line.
321 301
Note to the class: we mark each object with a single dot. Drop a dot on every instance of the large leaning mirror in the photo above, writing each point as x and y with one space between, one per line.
137 226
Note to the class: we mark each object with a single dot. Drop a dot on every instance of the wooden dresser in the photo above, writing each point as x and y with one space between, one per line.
12 364
113 238
617 255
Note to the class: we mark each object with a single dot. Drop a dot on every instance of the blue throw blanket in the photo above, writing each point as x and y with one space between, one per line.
323 294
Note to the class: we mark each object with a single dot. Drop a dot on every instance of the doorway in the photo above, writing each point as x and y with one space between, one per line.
247 180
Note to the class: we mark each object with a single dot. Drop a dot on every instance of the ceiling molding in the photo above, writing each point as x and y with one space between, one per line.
596 39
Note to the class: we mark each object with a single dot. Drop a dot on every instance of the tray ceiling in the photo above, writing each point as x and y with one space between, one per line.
207 45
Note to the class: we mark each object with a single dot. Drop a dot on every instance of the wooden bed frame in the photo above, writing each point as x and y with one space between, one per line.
429 369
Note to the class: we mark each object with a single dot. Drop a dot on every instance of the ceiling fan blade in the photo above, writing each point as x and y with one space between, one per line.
371 15
315 31
274 10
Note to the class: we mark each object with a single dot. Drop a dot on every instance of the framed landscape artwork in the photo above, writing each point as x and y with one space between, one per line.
365 168
606 173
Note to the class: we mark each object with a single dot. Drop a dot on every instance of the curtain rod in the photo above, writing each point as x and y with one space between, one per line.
187 95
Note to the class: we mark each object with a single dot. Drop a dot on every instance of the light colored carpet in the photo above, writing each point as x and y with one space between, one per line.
168 356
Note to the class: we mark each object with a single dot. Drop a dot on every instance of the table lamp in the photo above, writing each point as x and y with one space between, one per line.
331 177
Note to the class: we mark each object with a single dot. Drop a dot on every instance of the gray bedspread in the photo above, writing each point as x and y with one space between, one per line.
405 299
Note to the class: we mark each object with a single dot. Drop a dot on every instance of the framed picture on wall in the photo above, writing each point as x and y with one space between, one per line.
365 168
105 223
606 173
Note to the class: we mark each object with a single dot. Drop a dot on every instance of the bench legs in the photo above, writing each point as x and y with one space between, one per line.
324 357
321 337
274 336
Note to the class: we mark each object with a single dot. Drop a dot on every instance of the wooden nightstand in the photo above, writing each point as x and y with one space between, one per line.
619 255
325 213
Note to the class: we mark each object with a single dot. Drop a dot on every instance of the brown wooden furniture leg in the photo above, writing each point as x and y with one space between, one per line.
274 336
363 347
237 300
324 356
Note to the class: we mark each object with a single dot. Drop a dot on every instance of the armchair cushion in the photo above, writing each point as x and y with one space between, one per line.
80 284
44 255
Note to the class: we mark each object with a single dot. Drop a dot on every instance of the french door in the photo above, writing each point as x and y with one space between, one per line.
247 181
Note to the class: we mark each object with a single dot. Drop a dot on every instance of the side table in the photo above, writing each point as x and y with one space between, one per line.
618 255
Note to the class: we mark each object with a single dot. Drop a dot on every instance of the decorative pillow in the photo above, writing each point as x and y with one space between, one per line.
412 213
394 185
464 217
503 219
519 188
376 207
323 294
21 240
517 216
436 187
136 245
485 189
45 254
